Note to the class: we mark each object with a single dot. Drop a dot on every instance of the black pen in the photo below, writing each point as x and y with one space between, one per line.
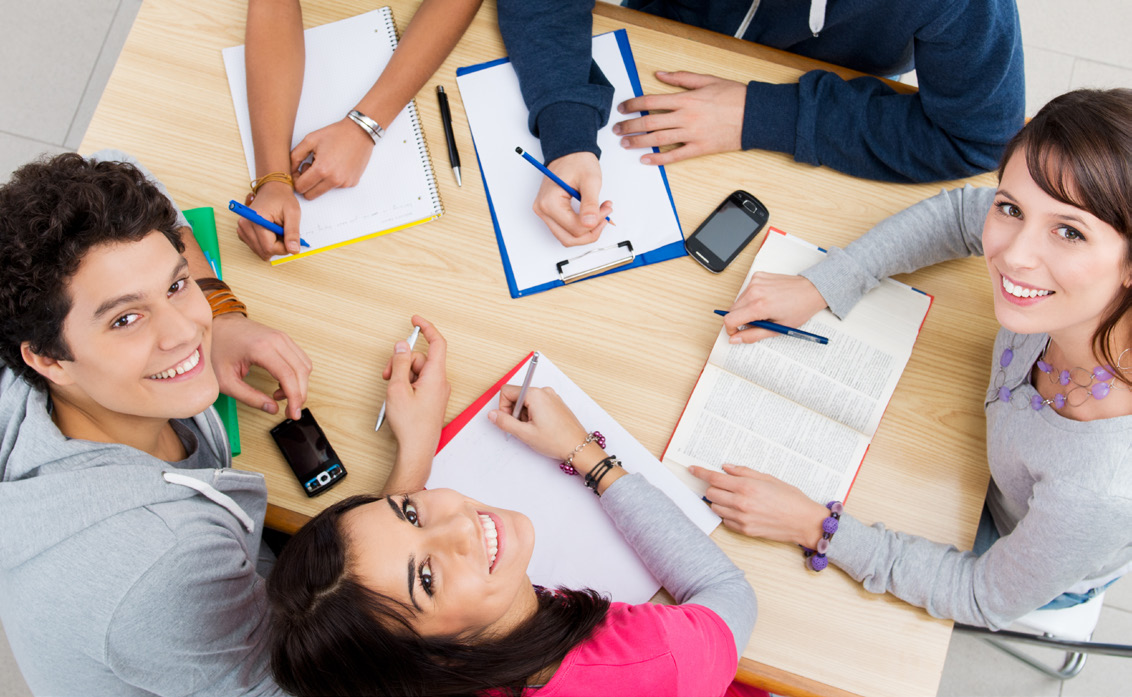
446 119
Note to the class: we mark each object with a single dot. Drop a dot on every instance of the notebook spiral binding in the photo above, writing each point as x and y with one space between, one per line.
418 129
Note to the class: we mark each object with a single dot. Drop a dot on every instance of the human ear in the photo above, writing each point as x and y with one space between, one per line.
50 368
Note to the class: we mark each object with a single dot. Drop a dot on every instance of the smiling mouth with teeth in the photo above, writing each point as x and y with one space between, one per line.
491 539
179 369
1020 292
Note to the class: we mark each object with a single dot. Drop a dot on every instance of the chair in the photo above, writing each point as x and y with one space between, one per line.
1069 629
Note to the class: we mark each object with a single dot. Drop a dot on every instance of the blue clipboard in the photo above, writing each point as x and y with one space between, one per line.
672 250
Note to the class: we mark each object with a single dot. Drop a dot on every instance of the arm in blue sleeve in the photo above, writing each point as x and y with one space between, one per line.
550 47
946 226
684 559
971 101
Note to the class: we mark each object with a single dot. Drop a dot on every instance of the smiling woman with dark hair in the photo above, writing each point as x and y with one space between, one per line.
1057 238
427 593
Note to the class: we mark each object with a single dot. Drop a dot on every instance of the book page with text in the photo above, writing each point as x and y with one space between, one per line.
729 420
851 379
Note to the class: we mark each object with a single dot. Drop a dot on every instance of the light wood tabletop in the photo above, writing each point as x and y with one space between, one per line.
635 341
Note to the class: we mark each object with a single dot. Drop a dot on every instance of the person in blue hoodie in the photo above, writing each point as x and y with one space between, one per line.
130 550
967 55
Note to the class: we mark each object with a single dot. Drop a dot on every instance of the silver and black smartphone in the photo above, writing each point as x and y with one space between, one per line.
309 453
733 224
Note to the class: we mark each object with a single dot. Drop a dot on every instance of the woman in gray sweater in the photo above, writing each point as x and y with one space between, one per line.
1057 238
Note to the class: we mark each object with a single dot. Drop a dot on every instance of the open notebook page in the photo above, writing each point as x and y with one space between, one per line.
802 411
497 116
343 61
482 463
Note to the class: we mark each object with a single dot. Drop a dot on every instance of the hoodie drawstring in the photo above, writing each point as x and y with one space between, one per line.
213 495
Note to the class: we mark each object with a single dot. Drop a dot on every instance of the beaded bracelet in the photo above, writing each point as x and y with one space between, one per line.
815 559
220 297
567 465
593 479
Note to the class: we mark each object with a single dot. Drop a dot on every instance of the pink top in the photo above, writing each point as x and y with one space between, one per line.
649 649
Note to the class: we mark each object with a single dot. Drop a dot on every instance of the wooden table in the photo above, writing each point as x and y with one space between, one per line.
635 341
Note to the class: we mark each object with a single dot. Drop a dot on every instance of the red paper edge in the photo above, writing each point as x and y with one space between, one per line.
449 432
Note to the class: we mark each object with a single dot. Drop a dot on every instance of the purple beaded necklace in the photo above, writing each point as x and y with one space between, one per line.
1097 383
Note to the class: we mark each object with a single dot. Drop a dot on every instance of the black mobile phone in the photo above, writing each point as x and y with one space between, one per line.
309 453
730 227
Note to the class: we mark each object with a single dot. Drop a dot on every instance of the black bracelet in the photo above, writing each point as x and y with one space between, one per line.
595 475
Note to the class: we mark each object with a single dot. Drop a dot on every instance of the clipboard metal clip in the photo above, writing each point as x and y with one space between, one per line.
604 264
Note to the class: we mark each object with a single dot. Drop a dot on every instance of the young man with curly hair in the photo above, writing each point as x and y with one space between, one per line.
128 544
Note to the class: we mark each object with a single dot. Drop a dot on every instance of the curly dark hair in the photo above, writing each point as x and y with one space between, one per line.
52 212
331 635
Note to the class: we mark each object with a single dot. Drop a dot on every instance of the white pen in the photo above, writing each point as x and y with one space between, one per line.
412 342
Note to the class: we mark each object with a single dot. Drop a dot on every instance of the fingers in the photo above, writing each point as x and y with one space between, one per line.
667 157
589 208
554 207
400 365
752 335
437 345
235 387
290 234
685 79
302 151
291 368
507 396
523 430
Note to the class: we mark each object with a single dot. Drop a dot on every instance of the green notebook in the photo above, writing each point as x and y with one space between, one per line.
203 222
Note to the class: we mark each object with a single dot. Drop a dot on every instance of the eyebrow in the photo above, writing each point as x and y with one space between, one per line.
412 559
109 305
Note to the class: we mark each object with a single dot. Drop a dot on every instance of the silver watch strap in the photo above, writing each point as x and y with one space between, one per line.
373 128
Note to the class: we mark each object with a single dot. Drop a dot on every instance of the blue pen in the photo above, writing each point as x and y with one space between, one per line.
782 329
245 212
554 177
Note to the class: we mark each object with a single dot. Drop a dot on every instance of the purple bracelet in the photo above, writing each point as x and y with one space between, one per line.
567 465
815 559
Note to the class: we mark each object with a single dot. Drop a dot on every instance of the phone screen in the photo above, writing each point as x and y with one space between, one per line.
729 229
304 445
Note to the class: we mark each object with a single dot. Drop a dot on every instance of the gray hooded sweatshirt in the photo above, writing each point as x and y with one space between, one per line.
124 574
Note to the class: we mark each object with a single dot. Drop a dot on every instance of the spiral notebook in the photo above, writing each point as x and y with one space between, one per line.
398 189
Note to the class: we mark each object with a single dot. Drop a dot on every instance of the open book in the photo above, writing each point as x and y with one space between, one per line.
398 188
478 460
800 411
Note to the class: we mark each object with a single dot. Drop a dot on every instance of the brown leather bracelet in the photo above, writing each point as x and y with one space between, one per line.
220 297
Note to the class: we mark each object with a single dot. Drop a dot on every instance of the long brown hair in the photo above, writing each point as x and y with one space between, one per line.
1079 151
331 635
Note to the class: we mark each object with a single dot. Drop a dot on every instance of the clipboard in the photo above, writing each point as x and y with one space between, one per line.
646 210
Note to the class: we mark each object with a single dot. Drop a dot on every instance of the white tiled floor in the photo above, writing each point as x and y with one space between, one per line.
58 55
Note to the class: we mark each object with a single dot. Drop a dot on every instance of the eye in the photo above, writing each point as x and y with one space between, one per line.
410 512
1007 208
124 321
179 286
1069 234
425 574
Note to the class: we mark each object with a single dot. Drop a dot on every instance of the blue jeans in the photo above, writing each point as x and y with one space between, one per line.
986 536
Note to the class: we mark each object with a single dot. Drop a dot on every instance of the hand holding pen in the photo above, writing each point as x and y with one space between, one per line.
553 204
790 300
264 237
